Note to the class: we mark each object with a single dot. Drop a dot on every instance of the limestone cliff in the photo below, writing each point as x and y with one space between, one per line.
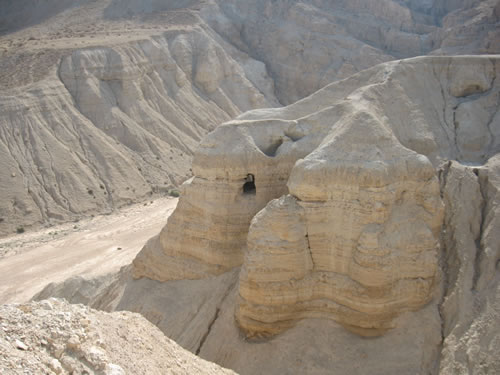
110 125
357 239
308 44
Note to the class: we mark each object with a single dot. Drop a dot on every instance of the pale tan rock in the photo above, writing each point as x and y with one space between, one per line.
307 45
371 219
206 232
407 109
117 343
199 315
111 126
443 109
365 246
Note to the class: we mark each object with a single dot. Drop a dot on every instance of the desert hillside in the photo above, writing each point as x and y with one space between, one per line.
104 102
338 164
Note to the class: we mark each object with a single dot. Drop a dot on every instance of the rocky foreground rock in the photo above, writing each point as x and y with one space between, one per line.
54 337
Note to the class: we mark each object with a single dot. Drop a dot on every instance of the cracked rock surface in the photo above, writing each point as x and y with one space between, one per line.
375 199
357 239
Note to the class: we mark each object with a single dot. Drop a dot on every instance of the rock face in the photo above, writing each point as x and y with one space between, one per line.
52 336
199 314
347 231
125 90
88 130
126 118
369 205
471 305
308 44
357 238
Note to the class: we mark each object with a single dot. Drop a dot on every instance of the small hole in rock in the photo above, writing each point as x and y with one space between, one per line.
249 186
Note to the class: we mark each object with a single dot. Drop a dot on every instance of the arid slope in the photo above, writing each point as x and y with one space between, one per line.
103 102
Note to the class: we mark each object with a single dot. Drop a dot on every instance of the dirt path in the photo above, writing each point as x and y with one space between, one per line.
91 247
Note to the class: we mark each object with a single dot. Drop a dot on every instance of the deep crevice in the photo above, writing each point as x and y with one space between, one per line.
310 252
215 317
482 181
204 338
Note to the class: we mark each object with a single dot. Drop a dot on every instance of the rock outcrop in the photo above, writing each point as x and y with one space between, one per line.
370 205
471 305
357 239
336 217
125 90
199 315
54 337
308 44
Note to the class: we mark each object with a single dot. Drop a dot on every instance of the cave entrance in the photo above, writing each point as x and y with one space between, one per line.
249 185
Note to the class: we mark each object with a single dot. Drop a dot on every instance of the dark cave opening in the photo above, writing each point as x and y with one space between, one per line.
249 185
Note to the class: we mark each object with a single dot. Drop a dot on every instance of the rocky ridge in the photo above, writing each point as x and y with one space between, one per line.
54 337
126 118
384 156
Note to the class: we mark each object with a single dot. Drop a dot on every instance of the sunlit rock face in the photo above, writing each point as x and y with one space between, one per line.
344 216
356 240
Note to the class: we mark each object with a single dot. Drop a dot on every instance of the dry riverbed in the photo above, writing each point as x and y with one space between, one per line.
91 247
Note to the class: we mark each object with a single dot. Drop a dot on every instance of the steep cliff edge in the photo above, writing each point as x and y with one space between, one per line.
370 205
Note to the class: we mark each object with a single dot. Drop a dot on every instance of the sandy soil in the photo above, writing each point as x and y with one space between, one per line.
90 247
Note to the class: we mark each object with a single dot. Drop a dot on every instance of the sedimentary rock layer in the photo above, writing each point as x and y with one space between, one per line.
357 239
114 124
103 102
416 101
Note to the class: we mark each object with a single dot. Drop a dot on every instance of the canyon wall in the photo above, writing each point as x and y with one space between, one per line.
103 103
111 125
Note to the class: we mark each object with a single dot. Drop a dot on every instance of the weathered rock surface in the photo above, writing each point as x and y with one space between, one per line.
350 185
357 240
88 130
52 336
471 305
365 244
126 119
313 243
200 315
126 89
308 44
